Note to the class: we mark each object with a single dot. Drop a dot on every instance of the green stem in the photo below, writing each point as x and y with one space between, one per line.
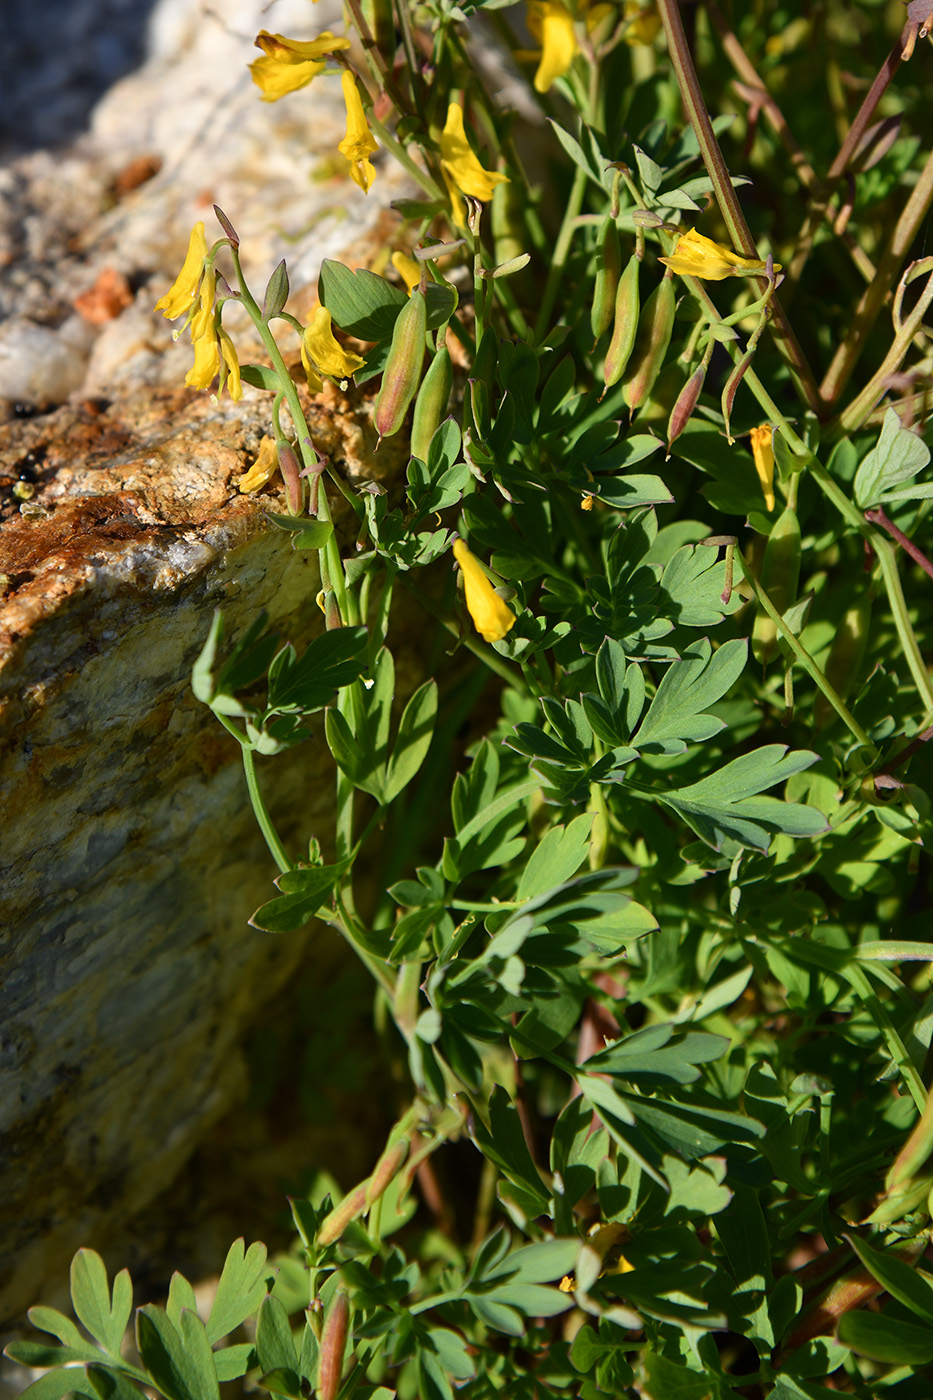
429 186
331 551
561 250
730 208
484 653
806 660
276 849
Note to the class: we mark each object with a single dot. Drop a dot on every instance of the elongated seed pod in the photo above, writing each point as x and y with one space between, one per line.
608 268
402 373
845 657
655 328
333 1346
624 326
687 401
431 403
780 578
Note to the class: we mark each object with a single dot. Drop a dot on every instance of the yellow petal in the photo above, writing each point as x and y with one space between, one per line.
184 289
231 375
409 269
206 365
552 23
492 618
327 355
762 440
202 322
459 162
359 142
263 469
289 64
697 256
643 25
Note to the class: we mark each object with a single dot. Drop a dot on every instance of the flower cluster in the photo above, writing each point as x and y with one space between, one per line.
194 292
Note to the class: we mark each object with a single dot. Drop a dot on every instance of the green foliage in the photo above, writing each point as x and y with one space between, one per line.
645 916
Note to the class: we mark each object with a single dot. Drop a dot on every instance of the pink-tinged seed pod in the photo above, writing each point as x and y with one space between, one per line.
431 403
687 401
655 328
352 1206
333 1346
387 1169
608 270
402 373
624 325
290 467
732 388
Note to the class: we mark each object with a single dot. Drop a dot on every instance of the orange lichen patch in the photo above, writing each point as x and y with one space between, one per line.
104 301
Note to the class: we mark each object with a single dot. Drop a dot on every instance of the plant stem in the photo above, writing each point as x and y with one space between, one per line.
873 298
561 250
729 206
806 660
276 849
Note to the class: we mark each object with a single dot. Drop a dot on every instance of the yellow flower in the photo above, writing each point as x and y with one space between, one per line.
202 318
289 64
184 289
358 144
643 23
230 370
409 269
460 167
263 469
551 23
320 350
696 256
492 618
206 365
763 453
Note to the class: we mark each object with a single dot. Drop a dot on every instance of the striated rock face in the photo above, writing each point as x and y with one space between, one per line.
130 860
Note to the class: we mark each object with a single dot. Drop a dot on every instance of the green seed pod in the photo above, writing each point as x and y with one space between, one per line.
655 328
608 268
624 325
845 657
780 578
402 373
431 403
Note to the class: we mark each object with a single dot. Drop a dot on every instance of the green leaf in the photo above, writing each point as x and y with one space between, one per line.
304 892
504 1145
198 1351
244 1282
907 1285
557 857
723 806
180 1295
110 1384
332 660
415 732
276 294
55 1385
655 1055
232 1362
689 687
174 1372
60 1326
886 1339
311 533
897 457
666 1380
360 302
692 585
275 1347
261 377
105 1319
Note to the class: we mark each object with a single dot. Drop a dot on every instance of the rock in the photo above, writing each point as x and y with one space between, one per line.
130 860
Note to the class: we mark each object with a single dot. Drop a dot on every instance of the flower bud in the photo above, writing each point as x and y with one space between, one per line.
402 373
608 268
431 403
624 326
686 402
732 387
655 328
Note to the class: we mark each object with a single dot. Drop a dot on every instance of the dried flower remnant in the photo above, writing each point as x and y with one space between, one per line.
492 617
697 256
